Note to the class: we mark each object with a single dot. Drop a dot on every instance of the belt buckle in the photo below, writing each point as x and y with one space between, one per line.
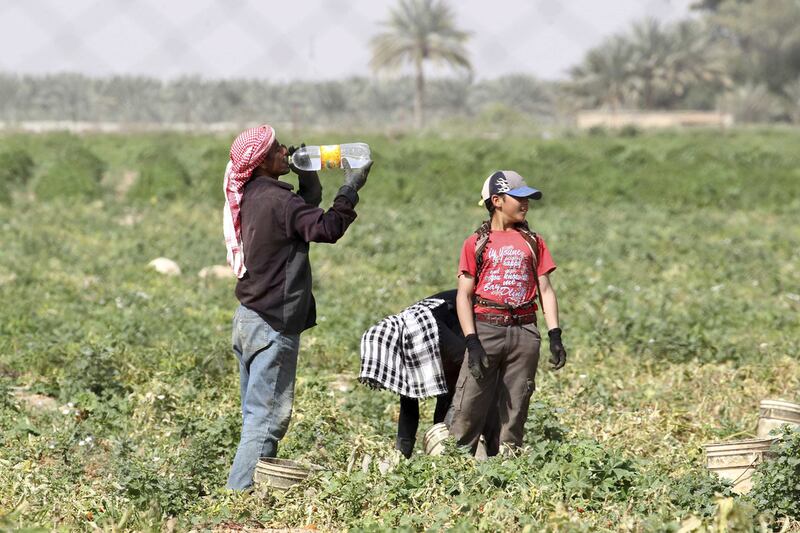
514 319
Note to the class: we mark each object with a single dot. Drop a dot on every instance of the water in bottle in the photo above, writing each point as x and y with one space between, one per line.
330 156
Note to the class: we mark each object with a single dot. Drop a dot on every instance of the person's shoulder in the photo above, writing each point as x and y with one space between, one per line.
471 239
266 197
269 186
532 231
272 194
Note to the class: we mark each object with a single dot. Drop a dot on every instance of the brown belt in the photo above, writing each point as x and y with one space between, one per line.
505 320
491 304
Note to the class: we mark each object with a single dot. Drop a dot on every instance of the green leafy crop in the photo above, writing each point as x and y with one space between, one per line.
677 282
776 483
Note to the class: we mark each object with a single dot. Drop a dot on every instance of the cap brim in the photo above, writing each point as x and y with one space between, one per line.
520 192
525 192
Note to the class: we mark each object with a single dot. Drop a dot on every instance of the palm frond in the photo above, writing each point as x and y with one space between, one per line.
423 29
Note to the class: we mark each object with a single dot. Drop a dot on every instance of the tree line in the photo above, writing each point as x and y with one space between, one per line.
739 56
359 100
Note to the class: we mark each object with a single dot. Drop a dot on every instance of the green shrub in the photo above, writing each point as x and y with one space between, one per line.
146 484
698 490
656 261
16 168
753 103
586 470
75 172
196 471
776 483
161 175
209 454
597 131
629 131
94 369
543 424
634 156
498 116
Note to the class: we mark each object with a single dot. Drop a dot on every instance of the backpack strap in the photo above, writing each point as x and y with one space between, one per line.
480 246
533 243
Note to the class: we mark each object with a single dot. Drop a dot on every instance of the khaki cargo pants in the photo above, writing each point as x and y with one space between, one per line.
507 385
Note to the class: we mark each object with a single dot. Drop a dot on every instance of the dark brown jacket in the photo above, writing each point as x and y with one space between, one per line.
277 226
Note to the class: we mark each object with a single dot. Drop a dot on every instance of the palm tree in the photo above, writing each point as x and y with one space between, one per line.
652 49
792 93
420 30
668 60
763 40
653 66
604 77
697 60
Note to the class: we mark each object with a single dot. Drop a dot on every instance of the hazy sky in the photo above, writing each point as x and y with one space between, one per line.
300 39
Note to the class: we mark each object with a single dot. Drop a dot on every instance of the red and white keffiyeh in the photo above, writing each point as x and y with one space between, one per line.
247 152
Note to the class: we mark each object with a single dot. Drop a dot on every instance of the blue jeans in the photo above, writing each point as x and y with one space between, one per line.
267 366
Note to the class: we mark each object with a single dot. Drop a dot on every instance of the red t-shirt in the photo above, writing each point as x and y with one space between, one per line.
507 274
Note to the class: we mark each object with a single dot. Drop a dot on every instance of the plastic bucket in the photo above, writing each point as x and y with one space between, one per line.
279 473
434 440
480 451
736 460
775 413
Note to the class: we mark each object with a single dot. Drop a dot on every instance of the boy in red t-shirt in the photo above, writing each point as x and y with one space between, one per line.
504 268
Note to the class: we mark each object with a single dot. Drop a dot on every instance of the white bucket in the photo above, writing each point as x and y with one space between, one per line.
434 440
480 451
775 413
736 460
280 473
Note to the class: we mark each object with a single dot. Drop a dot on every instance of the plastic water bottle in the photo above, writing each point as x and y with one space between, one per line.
330 156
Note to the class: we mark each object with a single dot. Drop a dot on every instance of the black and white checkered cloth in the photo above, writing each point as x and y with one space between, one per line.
401 353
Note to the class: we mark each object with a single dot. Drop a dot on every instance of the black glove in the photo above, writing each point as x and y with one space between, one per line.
303 160
559 355
478 360
355 178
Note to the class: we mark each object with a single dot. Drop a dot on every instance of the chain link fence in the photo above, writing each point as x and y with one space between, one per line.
220 61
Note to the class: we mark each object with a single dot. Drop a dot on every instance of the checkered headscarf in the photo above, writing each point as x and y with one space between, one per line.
401 353
247 152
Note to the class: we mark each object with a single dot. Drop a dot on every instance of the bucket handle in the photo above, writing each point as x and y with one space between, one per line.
753 462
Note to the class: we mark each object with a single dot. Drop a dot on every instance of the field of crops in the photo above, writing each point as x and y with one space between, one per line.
679 287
